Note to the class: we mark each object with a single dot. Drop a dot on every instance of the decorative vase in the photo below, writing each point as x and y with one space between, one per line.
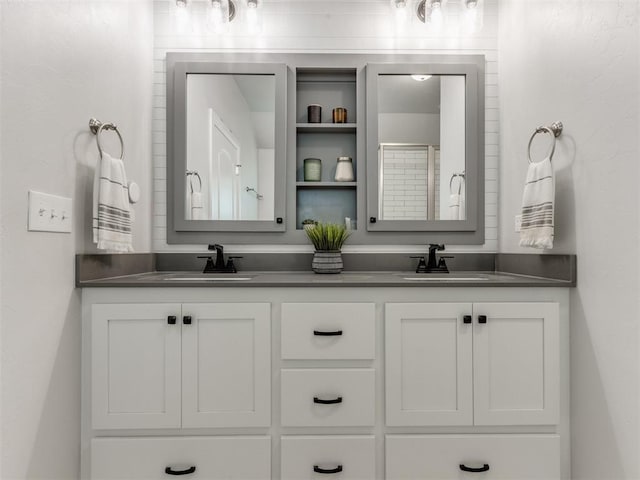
327 261
312 169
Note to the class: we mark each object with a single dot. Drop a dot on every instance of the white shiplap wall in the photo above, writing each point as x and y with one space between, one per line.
327 26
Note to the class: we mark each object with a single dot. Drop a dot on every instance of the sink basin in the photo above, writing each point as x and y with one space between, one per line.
208 279
205 277
446 277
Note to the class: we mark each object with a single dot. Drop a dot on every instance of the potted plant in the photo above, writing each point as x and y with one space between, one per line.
327 238
309 222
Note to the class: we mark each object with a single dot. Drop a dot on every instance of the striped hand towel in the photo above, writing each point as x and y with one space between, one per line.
111 214
196 206
537 206
454 206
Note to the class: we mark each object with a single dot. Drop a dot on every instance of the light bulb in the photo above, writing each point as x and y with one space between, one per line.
181 3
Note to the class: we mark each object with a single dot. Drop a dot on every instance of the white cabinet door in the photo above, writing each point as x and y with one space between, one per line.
135 370
459 457
226 365
428 364
516 363
205 458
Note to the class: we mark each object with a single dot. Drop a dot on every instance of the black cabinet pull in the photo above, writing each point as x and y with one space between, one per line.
482 319
327 402
466 319
186 319
317 469
320 333
171 319
484 468
171 471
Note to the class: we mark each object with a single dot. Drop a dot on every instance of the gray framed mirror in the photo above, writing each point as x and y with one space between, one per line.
425 147
226 147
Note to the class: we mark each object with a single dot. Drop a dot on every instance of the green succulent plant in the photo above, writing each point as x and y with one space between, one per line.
327 236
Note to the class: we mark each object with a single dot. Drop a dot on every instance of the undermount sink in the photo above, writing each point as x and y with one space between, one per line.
206 277
445 277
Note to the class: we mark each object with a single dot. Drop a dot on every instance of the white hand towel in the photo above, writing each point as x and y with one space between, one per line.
454 206
111 213
538 205
196 206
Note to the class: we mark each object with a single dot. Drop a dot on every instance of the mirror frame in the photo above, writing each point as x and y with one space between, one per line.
473 70
179 65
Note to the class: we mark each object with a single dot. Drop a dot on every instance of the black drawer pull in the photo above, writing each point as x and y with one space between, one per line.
482 319
466 319
171 471
317 469
484 468
319 333
327 402
186 319
171 319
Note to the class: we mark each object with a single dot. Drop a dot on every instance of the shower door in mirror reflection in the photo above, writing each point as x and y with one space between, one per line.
230 142
421 135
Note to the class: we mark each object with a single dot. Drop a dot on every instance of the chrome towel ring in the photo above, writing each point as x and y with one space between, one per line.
555 129
97 127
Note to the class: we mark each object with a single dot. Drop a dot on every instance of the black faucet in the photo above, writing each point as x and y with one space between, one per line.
219 265
433 265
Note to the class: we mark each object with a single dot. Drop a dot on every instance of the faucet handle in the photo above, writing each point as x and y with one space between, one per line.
209 267
422 264
231 266
442 264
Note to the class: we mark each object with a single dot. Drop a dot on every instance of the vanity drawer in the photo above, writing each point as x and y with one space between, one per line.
504 457
211 458
328 331
319 457
328 397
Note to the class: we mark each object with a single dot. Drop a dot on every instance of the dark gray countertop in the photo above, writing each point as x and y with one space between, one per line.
310 279
293 270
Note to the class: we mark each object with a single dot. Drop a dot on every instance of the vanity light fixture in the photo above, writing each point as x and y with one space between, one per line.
467 14
430 12
221 13
400 9
253 16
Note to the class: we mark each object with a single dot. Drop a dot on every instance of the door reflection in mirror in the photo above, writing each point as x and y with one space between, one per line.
421 134
231 141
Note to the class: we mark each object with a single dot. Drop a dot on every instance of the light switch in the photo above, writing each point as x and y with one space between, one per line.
518 225
49 213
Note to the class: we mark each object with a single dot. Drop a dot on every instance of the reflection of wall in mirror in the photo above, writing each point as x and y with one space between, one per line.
251 129
452 143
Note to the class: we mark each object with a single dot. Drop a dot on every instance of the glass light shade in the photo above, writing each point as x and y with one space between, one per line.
253 16
219 16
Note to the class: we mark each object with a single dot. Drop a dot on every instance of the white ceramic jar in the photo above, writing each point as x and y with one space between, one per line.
344 170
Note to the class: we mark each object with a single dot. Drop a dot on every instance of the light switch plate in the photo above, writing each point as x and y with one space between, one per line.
49 213
518 223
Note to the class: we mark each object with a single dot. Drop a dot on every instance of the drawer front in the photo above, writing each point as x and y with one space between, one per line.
241 458
326 457
504 457
328 397
328 331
